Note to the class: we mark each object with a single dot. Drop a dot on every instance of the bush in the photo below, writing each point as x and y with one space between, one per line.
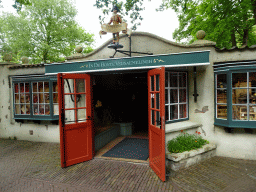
186 142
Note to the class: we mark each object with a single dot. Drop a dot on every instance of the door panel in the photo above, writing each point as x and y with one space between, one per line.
75 118
156 123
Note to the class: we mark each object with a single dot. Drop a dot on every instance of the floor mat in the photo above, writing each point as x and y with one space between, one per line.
130 148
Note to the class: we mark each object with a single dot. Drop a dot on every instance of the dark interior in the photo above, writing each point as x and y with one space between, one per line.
123 98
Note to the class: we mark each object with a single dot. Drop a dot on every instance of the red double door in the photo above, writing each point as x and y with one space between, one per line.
76 119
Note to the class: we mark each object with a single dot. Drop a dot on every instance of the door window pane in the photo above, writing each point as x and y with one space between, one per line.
157 101
80 85
69 116
81 115
152 83
157 83
152 117
81 101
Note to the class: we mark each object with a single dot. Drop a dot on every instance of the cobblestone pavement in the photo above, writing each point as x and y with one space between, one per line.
35 166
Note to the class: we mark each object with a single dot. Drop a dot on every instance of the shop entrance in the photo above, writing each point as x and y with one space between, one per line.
121 98
118 93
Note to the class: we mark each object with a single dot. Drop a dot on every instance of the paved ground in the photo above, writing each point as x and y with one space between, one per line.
30 166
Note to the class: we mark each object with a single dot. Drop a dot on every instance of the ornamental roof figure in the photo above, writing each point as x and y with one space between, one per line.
115 8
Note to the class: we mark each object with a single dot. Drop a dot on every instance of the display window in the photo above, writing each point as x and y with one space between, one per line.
235 98
35 99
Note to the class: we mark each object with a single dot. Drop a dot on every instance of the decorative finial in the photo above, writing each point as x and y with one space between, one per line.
79 49
24 60
200 34
7 57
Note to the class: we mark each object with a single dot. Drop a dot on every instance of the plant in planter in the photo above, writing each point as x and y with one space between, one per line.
186 142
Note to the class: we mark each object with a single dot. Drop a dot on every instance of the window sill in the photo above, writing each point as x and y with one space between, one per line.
174 127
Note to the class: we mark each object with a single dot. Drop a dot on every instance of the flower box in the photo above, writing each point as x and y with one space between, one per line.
176 161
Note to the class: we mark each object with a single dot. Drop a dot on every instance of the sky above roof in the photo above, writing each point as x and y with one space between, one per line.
162 24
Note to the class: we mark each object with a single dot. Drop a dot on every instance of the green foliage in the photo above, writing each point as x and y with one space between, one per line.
18 4
45 31
186 142
227 22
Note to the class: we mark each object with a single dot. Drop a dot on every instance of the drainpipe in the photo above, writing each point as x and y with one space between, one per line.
195 90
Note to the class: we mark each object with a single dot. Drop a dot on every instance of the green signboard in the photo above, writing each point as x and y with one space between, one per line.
127 63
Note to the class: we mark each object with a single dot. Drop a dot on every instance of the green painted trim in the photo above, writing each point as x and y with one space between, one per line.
168 60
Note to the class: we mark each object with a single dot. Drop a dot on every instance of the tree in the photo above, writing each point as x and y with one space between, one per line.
45 31
18 4
227 22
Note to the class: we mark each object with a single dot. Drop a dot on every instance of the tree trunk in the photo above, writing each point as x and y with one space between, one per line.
254 10
233 38
245 37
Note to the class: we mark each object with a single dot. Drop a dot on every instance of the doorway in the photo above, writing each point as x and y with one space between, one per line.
120 98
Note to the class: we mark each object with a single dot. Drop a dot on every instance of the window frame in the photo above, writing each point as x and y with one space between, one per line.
31 80
178 103
229 122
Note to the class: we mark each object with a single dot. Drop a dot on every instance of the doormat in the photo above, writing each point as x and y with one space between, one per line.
130 148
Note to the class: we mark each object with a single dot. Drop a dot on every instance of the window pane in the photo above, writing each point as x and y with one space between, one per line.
252 79
17 109
81 115
173 112
47 98
69 116
239 96
40 87
222 111
27 98
152 100
173 96
22 87
54 87
81 102
27 87
152 83
221 81
35 98
167 113
22 109
157 101
182 79
252 113
166 96
80 85
69 101
152 117
183 111
22 98
55 98
157 83
16 87
166 79
35 110
239 80
27 109
221 96
158 120
46 86
41 109
183 96
173 79
17 98
55 109
35 87
252 93
41 98
239 112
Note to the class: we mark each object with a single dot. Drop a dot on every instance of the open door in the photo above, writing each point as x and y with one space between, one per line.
156 121
75 118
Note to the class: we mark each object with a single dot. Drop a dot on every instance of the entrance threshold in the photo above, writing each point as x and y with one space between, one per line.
111 144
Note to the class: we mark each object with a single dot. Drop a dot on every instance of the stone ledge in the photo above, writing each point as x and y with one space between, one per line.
183 125
187 154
